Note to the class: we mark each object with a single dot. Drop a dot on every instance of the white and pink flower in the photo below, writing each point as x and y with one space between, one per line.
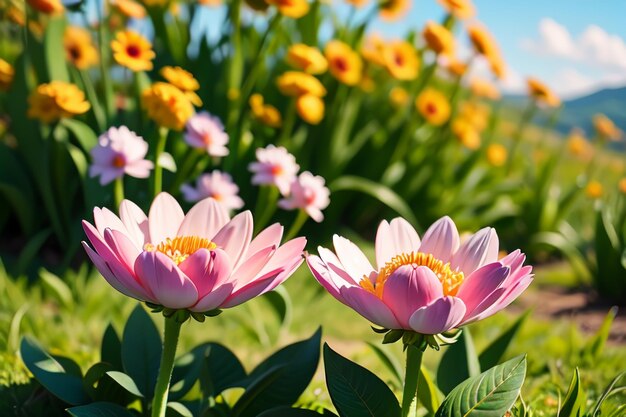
308 193
427 286
119 151
204 131
274 166
217 185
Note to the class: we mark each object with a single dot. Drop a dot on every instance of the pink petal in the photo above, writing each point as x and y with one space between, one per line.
214 299
169 285
235 236
481 284
442 315
249 269
395 238
441 239
253 289
335 266
480 249
286 255
270 236
507 297
101 247
370 307
123 247
352 258
105 218
164 218
206 269
323 275
136 223
204 219
410 288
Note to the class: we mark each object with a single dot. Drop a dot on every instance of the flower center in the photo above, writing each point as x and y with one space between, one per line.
341 64
276 170
431 108
133 51
450 280
399 59
118 161
179 248
207 139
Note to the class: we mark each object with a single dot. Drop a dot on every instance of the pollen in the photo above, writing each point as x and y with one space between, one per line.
450 280
179 248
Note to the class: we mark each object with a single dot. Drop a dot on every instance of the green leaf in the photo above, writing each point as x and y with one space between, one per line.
575 399
16 188
427 393
490 394
54 50
125 382
378 191
458 363
111 349
494 352
605 394
175 409
51 374
56 287
31 249
85 136
608 259
596 345
141 351
355 391
389 361
100 409
289 412
281 303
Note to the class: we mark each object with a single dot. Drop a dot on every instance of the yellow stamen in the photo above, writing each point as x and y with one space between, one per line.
181 247
450 280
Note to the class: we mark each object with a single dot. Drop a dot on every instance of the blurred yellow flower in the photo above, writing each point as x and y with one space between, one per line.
310 108
393 9
401 60
167 105
485 89
294 83
357 3
79 48
605 128
344 64
466 133
594 189
16 15
433 106
130 8
541 93
485 44
372 49
46 6
475 113
291 8
184 81
456 67
264 113
57 99
621 185
133 51
462 9
306 58
438 38
7 72
398 97
497 65
496 155
578 145
367 84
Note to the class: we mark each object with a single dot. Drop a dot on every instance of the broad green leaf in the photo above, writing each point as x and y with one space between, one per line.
125 382
355 391
494 352
175 409
56 287
100 409
288 412
575 399
141 351
490 394
458 363
51 374
101 387
111 349
54 50
85 136
608 259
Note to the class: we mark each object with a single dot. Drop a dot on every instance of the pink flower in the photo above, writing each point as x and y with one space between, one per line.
274 166
200 261
119 151
217 185
428 286
207 132
308 193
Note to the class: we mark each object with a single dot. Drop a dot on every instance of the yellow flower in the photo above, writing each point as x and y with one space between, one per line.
57 99
578 145
483 88
291 8
16 15
605 128
541 93
344 64
357 3
496 154
463 9
46 6
167 105
394 9
294 83
79 49
264 113
401 60
372 49
310 108
621 185
130 8
486 45
133 51
433 106
475 113
367 84
7 72
399 97
438 38
184 81
594 189
466 133
210 3
456 67
306 58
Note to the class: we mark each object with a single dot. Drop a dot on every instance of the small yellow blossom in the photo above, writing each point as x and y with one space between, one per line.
475 113
344 64
367 84
310 108
496 154
594 189
466 133
485 89
184 81
130 8
357 3
291 8
372 49
210 3
306 58
401 60
264 113
605 128
438 38
399 97
391 10
456 67
578 145
541 93
462 9
294 83
133 51
433 106
79 48
621 185
167 105
485 44
7 72
16 15
55 100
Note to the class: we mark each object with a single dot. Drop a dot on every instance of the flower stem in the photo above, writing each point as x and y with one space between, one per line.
527 116
265 206
118 191
297 224
170 340
158 169
413 365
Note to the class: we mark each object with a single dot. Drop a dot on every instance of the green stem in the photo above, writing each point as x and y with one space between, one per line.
158 170
104 61
170 340
297 224
527 116
290 121
413 365
118 191
265 206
